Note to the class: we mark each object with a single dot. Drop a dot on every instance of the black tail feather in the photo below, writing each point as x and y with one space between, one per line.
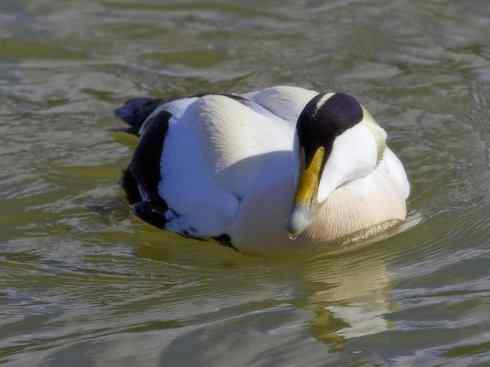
136 111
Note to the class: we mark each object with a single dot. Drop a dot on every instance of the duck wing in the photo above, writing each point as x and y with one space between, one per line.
216 154
283 101
199 157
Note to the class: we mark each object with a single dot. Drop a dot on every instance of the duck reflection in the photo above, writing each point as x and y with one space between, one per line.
350 294
350 286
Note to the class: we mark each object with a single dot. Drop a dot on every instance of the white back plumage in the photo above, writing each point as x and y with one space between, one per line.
218 151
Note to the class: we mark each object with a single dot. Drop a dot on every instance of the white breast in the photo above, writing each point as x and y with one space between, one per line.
374 202
371 201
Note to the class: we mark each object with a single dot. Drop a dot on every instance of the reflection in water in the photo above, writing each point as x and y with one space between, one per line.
350 287
350 294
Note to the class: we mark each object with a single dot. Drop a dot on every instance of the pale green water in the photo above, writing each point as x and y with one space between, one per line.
84 283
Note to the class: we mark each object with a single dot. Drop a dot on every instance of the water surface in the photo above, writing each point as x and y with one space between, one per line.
85 283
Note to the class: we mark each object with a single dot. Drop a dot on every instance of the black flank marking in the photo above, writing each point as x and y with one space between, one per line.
130 186
144 172
152 213
145 165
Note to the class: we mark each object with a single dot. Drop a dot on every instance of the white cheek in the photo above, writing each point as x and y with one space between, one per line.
354 155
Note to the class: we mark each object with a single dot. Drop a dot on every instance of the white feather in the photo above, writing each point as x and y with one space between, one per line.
392 169
213 156
176 108
187 185
283 101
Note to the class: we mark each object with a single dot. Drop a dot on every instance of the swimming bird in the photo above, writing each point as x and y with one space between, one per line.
279 167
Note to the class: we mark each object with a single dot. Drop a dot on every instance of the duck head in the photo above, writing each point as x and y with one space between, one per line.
339 142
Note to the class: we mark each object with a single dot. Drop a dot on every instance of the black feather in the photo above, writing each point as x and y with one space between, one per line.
141 179
136 111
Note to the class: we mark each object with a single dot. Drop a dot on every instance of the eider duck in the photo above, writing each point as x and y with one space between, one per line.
275 168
